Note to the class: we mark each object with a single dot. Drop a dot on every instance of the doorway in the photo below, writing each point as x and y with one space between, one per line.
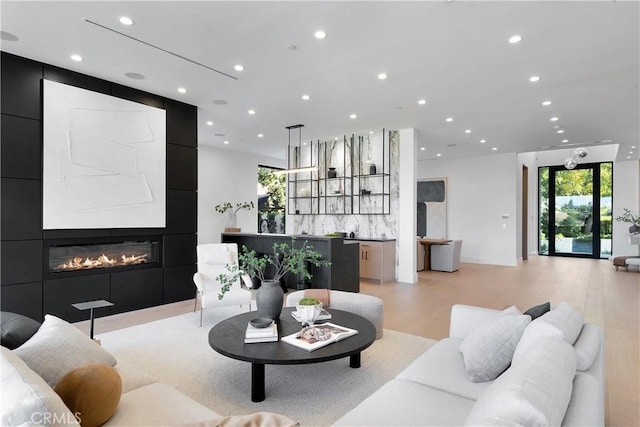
580 200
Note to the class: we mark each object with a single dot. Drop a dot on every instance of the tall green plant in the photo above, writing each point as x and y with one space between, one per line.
284 259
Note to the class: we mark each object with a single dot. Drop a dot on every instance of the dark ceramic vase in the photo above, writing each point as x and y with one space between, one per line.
269 299
331 173
372 169
634 229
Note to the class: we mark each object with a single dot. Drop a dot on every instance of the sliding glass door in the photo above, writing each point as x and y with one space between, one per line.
575 208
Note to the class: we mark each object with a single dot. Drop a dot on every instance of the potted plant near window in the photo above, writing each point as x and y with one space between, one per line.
270 268
231 213
634 220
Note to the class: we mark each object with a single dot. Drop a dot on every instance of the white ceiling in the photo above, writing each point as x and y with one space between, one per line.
454 54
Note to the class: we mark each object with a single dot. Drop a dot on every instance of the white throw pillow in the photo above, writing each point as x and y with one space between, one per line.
566 318
58 347
587 346
488 349
564 322
534 392
26 398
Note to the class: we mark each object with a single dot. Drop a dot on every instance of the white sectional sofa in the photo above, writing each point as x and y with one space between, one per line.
30 372
555 375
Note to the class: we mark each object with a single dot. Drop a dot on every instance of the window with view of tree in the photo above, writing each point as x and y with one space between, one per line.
271 200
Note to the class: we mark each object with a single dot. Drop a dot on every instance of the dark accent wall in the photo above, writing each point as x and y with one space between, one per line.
23 286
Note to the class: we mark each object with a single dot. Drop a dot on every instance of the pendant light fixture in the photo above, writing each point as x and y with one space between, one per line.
297 149
572 161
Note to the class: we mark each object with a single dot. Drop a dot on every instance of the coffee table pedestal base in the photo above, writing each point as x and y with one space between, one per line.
257 377
257 382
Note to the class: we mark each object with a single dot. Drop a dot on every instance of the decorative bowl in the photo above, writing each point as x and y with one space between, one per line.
260 322
308 314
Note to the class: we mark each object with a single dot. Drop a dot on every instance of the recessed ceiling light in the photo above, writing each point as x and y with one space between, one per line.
482 141
320 34
546 103
534 79
422 148
382 76
8 37
238 67
438 155
560 131
449 119
125 20
226 142
353 116
251 112
76 57
564 141
260 135
628 157
554 119
633 146
304 143
209 123
135 76
630 152
335 138
182 90
494 148
515 39
306 97
370 132
422 101
467 131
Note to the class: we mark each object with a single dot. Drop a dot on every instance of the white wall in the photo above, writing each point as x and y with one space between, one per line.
480 190
227 176
626 194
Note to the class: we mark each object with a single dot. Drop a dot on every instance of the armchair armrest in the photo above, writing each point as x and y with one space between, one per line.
465 318
199 281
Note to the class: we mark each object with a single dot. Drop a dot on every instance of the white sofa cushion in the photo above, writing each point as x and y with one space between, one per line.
487 350
58 347
534 391
405 403
26 398
158 405
567 319
563 322
132 377
442 367
587 346
586 407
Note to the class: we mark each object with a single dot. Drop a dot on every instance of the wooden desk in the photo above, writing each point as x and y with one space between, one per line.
427 242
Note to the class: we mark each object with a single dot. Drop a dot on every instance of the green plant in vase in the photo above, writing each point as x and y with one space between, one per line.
270 268
630 218
232 211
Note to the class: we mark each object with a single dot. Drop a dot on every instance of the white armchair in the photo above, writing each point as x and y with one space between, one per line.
446 257
212 259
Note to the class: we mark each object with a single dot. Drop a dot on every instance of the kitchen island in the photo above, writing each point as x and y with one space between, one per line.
343 273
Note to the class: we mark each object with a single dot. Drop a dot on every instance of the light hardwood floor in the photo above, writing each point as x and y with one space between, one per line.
607 297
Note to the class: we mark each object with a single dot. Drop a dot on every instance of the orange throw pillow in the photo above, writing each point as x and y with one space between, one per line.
92 392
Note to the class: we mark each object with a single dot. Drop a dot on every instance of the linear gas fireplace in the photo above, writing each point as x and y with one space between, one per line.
98 255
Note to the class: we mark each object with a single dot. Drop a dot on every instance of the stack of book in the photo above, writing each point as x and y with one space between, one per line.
268 334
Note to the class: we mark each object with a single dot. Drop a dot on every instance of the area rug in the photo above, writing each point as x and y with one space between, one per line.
176 351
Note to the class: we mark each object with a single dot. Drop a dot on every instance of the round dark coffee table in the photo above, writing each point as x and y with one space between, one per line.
227 338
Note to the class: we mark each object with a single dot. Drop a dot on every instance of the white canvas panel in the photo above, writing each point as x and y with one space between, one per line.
104 161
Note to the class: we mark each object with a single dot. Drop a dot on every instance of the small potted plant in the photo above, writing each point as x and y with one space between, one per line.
270 268
308 310
634 220
231 212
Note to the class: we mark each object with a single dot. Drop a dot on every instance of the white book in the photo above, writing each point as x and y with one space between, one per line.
319 336
270 331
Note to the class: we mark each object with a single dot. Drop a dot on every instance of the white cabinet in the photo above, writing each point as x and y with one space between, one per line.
378 260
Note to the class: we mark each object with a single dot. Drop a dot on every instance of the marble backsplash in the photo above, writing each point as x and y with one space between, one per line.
363 226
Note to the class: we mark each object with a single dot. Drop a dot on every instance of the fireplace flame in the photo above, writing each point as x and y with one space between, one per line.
103 261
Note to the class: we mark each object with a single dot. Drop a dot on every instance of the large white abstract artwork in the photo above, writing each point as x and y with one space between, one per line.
104 161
